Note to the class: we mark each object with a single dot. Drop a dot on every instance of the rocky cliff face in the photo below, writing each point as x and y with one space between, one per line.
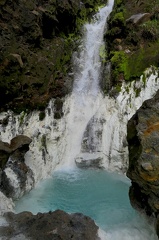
143 141
37 39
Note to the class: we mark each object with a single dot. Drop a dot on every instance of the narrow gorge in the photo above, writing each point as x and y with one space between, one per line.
75 157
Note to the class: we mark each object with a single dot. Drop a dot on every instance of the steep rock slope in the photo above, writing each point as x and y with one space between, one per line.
143 141
37 39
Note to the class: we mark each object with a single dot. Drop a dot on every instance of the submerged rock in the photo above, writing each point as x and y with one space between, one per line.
143 141
52 225
89 160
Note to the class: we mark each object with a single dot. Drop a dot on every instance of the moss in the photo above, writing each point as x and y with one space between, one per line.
103 53
137 92
118 3
143 58
22 117
127 89
144 79
132 66
140 39
118 88
150 30
118 19
119 62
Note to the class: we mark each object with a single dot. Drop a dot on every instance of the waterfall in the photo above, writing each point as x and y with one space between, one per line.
93 126
86 97
88 63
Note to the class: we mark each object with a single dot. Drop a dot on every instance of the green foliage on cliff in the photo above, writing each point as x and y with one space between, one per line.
118 19
132 47
119 62
150 30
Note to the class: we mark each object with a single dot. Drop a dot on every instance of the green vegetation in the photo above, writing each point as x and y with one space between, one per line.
150 30
144 79
137 92
22 117
36 50
118 88
118 19
119 62
103 53
132 48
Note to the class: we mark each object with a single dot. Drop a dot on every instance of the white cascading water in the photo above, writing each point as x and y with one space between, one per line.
86 96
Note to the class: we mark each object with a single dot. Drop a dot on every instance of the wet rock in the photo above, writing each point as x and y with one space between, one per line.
52 225
143 142
138 18
20 142
6 204
5 152
89 160
16 177
58 108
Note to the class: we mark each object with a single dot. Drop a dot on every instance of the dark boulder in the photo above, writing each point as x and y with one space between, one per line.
53 225
5 151
19 144
143 143
19 141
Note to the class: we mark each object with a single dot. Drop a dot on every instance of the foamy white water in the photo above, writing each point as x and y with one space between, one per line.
86 96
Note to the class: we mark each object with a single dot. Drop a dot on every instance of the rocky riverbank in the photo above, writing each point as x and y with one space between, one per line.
53 225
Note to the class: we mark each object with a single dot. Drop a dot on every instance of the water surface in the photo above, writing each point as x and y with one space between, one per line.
96 193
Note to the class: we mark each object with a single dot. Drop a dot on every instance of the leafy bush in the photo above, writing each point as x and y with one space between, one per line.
119 62
118 19
150 30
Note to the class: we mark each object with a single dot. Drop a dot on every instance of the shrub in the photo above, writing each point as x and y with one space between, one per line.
119 62
150 30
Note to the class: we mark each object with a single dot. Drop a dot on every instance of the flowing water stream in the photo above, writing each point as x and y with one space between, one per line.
86 96
96 193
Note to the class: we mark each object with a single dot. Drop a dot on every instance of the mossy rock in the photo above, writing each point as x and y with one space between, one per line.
132 48
130 66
